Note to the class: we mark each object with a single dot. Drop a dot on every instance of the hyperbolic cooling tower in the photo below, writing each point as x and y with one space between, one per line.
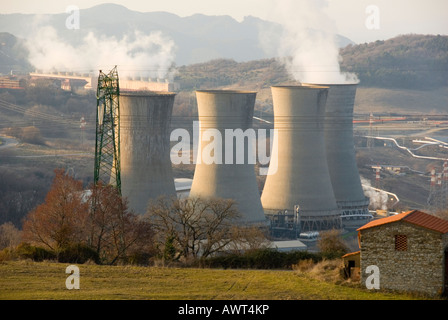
146 171
302 176
230 179
340 148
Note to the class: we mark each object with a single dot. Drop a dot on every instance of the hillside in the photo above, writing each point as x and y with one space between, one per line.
401 101
13 55
412 62
408 61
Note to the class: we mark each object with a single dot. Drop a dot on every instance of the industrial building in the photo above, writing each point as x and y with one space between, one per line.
72 81
312 183
302 181
146 171
341 157
223 110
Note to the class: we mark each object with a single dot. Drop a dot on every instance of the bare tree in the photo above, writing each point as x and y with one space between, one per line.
114 231
249 238
195 227
10 236
331 243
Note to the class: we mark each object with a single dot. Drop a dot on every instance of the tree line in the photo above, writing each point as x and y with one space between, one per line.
75 224
78 225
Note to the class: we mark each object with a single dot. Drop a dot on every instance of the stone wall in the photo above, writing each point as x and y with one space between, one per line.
418 269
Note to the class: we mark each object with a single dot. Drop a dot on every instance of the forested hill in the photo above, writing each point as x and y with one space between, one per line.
407 61
404 62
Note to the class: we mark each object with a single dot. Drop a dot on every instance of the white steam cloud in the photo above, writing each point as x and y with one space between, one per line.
378 199
138 54
307 44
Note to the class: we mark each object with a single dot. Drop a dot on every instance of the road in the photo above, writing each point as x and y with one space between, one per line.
8 142
11 142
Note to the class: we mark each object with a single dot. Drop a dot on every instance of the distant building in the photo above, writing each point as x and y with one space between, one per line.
410 249
183 186
71 81
288 245
12 82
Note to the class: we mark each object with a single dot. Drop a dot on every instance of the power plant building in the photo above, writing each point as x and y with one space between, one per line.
298 179
341 157
219 174
146 171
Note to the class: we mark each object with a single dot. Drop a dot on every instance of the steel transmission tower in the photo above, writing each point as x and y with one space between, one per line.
107 147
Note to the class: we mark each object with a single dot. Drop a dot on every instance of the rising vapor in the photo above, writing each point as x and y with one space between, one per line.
378 199
137 54
307 43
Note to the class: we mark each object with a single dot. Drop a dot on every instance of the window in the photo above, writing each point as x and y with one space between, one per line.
401 242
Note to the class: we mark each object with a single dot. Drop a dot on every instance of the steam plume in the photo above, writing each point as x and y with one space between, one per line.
137 54
378 199
307 43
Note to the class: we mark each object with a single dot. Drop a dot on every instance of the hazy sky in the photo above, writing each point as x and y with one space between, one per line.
393 17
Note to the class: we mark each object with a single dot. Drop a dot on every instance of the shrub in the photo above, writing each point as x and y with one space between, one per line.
6 254
261 259
138 258
78 253
324 270
331 244
27 251
32 135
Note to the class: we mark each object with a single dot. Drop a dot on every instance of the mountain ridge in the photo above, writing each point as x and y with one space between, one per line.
198 37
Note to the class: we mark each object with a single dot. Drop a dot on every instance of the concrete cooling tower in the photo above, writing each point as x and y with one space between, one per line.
302 177
231 178
146 171
341 157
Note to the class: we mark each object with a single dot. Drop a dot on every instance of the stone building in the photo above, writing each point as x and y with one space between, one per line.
352 265
410 250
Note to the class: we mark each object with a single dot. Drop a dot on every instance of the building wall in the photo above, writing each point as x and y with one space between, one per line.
418 269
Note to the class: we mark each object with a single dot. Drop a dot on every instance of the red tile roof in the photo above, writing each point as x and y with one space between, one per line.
415 217
382 221
428 221
351 254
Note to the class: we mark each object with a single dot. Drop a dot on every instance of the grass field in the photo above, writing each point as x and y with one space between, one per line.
25 280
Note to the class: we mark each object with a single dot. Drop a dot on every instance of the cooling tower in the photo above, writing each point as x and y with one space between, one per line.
146 171
302 177
226 176
341 156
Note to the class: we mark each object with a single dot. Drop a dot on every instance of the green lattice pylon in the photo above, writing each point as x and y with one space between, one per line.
107 146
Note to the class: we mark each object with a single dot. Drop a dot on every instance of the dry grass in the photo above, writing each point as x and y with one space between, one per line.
325 270
46 280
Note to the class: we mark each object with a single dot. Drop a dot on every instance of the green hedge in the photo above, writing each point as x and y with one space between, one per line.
27 251
78 253
260 259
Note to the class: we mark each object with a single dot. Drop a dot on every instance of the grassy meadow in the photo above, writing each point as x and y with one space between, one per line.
26 280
